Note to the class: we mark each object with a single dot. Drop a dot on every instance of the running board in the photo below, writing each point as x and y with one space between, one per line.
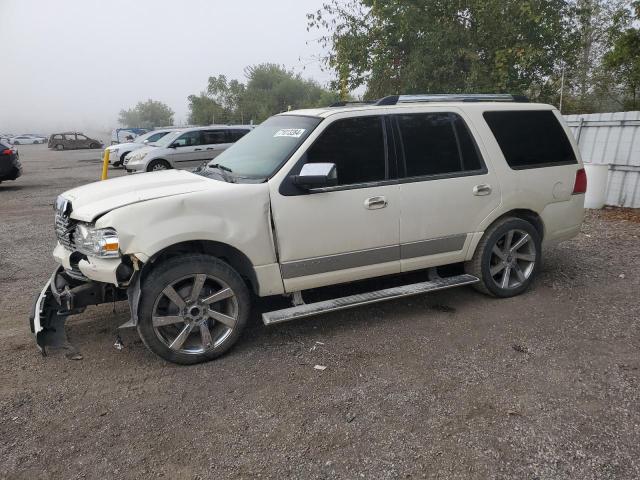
309 309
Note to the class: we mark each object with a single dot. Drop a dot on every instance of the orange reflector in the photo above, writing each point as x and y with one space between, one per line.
111 247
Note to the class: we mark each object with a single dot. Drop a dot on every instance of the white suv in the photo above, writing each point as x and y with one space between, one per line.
320 197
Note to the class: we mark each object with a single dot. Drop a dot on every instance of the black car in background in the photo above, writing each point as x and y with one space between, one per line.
10 167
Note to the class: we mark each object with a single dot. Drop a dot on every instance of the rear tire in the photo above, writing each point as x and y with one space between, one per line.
507 258
157 165
59 147
193 309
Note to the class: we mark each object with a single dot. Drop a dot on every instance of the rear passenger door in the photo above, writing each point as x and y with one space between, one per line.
82 141
446 188
215 142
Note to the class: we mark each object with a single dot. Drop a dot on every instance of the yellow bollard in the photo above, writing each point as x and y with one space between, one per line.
105 164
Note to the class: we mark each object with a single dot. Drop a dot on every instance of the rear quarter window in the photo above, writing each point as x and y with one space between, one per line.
530 139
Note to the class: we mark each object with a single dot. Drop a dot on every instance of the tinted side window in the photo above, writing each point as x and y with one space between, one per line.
437 143
356 146
236 135
213 137
57 137
81 137
70 137
530 139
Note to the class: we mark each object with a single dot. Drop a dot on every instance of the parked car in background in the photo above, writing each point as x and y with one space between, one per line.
119 151
10 167
186 148
321 197
72 141
27 140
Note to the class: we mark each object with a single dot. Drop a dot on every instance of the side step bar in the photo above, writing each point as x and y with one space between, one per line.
309 309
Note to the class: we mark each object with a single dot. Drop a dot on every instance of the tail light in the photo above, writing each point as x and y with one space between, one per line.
581 182
8 151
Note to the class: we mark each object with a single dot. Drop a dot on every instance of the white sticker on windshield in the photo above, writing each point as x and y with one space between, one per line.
290 132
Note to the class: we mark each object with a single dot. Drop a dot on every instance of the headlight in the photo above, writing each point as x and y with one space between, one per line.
113 151
98 242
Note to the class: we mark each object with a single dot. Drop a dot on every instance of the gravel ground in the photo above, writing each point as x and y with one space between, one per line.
447 385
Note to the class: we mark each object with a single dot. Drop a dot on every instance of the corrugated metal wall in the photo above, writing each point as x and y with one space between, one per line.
612 139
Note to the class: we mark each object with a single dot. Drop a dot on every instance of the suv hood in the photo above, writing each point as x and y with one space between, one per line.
95 199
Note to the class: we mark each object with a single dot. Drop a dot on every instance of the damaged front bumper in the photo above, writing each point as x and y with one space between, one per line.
64 295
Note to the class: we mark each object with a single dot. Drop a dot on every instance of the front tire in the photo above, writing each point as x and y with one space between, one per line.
193 309
507 258
157 165
59 147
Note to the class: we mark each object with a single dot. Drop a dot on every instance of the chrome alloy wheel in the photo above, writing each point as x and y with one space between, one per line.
513 259
195 314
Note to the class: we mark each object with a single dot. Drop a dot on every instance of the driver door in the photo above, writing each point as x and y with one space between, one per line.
345 232
188 147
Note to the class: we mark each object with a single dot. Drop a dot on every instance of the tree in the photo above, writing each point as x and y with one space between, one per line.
147 114
589 83
204 110
269 89
410 46
624 61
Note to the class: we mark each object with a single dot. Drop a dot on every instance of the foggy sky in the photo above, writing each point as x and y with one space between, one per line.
73 64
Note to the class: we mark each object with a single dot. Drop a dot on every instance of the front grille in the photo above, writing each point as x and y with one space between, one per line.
65 227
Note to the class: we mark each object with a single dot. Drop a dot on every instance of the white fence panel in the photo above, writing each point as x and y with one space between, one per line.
612 139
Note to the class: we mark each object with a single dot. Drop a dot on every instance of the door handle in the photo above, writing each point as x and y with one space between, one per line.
482 189
210 148
197 149
373 203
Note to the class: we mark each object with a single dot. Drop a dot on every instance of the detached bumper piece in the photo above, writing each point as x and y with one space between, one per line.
62 296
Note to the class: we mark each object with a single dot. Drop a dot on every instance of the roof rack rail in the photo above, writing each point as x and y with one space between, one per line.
452 97
354 102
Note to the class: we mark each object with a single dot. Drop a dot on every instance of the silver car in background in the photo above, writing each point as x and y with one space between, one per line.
185 149
119 151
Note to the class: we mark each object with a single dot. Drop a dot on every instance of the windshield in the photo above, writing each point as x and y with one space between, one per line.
151 136
260 153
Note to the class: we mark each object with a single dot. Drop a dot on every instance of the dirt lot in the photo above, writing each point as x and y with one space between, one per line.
448 385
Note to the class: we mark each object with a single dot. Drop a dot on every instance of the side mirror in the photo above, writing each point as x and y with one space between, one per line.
173 145
316 175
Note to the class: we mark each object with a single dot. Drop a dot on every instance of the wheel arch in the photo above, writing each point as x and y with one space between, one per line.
159 159
522 213
231 255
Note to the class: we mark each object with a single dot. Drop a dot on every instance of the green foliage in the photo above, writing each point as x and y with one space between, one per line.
408 46
515 46
624 62
147 114
269 89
